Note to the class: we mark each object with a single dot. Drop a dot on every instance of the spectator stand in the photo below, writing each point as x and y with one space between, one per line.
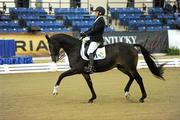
37 17
9 25
133 19
76 18
63 20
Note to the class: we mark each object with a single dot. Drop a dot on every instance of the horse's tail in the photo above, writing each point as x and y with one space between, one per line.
156 70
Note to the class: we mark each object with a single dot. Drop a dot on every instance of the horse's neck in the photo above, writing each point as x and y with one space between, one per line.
72 51
70 46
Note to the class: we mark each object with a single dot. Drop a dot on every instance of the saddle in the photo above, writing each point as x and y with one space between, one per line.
99 54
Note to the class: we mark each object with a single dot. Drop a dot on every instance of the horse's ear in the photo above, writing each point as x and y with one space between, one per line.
48 39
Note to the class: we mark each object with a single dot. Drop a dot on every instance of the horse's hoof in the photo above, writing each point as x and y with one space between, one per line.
55 90
127 94
54 94
90 101
141 100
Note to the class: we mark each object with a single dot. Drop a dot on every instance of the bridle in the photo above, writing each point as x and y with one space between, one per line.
60 54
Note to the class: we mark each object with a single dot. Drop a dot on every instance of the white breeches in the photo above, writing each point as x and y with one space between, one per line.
92 47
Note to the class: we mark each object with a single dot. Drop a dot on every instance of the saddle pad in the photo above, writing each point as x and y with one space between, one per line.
99 55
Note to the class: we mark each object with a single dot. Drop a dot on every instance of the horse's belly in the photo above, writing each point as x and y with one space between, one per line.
101 66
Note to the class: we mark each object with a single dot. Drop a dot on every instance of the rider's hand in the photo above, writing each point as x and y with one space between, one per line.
83 35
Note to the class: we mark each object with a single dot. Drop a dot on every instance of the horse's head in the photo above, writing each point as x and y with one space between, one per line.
66 42
54 50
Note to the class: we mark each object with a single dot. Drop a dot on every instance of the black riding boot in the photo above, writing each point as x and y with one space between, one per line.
90 67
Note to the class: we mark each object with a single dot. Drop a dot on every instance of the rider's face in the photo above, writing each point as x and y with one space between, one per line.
96 13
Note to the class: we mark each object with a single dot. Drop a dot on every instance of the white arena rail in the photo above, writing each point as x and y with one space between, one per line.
175 62
48 67
27 68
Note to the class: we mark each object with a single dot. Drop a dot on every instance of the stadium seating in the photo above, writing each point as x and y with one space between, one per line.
36 17
27 11
77 18
72 19
10 26
142 29
13 30
171 23
45 24
156 10
55 30
70 11
77 25
5 18
135 20
107 29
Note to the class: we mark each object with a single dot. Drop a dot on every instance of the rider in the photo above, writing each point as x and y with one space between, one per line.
96 35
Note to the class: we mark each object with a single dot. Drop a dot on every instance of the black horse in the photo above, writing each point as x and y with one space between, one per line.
123 56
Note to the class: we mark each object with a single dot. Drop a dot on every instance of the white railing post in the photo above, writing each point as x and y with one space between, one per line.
177 62
53 66
66 61
6 68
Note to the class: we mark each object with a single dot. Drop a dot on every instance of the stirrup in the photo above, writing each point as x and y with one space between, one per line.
89 69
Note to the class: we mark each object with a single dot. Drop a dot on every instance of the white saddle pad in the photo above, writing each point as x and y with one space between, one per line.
100 53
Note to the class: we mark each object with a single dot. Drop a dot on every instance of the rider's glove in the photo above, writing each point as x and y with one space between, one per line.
83 35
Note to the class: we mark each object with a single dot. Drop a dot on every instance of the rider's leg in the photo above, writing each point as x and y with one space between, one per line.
92 47
91 62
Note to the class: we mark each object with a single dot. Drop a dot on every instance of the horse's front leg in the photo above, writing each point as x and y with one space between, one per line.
65 74
90 85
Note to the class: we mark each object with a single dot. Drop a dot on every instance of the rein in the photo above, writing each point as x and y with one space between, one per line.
60 55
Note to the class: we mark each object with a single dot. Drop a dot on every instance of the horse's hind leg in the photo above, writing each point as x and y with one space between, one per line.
140 83
135 75
90 85
126 89
131 79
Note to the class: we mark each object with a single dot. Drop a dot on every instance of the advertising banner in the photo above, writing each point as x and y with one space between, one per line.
156 42
35 45
29 44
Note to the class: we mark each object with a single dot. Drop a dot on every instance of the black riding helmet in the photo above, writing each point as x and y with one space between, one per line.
100 9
